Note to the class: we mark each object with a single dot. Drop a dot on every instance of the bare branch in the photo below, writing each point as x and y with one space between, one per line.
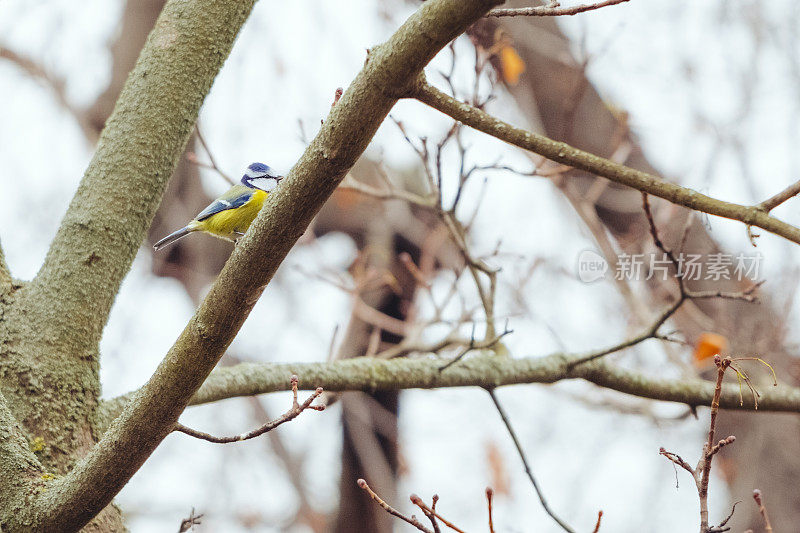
489 495
431 513
597 524
763 510
485 370
650 333
351 183
473 345
563 153
721 527
709 450
789 192
416 500
391 510
677 459
187 524
701 473
684 294
525 463
213 166
553 9
291 414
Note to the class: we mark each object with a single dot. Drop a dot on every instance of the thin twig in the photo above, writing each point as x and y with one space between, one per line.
187 524
432 515
291 414
763 510
709 450
597 524
473 345
701 473
432 164
552 9
489 495
525 463
392 194
429 512
391 510
677 459
721 526
213 166
650 333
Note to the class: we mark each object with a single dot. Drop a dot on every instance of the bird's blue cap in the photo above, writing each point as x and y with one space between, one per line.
259 168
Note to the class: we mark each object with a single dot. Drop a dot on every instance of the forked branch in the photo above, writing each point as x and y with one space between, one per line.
291 414
702 472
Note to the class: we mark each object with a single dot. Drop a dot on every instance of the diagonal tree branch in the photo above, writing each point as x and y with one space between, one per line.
563 153
71 501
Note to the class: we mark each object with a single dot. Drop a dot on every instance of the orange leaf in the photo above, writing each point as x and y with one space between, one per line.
511 65
709 345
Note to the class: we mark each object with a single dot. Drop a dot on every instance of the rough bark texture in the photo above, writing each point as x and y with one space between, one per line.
194 262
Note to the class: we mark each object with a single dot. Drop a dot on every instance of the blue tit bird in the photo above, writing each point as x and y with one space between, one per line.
229 216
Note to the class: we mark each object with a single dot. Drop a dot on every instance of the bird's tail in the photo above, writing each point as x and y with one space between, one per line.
172 237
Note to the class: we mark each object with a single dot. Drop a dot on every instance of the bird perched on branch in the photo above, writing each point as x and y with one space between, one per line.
229 216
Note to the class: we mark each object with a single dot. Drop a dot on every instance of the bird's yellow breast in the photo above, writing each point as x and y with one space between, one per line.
229 223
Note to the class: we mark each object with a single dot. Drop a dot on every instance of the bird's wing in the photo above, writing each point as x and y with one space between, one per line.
236 197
